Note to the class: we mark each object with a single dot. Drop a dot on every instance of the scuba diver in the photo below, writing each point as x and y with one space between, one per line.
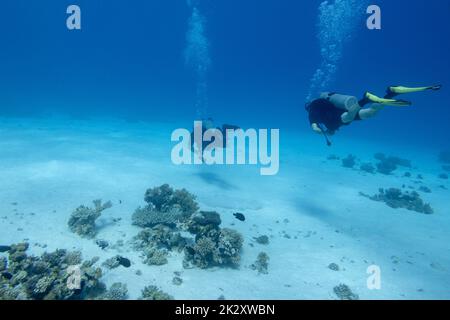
332 110
208 124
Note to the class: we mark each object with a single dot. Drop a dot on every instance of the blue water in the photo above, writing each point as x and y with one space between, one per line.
128 61
249 63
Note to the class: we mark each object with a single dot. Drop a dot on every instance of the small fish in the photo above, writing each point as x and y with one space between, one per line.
7 275
5 248
124 262
190 250
103 244
239 216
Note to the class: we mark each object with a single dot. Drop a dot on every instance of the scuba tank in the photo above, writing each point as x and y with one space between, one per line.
339 100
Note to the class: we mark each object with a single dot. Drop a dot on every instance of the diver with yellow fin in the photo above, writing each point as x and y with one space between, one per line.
332 110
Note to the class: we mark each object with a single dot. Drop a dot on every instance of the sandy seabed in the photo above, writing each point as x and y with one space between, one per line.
311 211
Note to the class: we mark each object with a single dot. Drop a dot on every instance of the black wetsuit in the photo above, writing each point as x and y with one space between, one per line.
223 130
322 111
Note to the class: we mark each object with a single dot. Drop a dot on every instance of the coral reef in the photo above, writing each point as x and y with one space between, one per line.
262 239
203 222
116 262
166 210
103 244
156 242
443 176
217 247
82 220
177 281
154 293
59 275
118 291
261 264
5 248
164 199
343 292
3 264
395 198
160 237
148 217
155 257
213 246
333 157
425 189
169 211
165 206
387 165
333 266
367 167
349 162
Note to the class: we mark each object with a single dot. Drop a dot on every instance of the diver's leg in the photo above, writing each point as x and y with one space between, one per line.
371 98
397 90
353 108
370 112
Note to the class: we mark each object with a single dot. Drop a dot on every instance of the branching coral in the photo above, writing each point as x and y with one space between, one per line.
82 220
343 292
164 199
156 242
49 276
166 212
349 162
229 247
395 198
262 239
3 264
262 263
160 237
165 206
156 257
387 165
219 247
154 293
117 261
203 222
150 217
118 291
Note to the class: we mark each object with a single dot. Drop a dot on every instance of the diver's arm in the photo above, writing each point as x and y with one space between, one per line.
316 128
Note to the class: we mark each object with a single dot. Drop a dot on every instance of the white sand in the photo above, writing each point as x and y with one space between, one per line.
48 167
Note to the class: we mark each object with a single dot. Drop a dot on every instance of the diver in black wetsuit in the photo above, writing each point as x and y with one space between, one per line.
208 124
332 111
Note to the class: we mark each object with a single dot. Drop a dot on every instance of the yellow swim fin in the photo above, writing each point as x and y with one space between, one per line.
389 102
402 90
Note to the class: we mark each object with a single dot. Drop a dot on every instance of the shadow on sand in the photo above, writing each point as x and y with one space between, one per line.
215 180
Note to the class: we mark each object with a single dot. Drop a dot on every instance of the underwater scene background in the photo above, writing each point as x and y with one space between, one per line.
88 114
